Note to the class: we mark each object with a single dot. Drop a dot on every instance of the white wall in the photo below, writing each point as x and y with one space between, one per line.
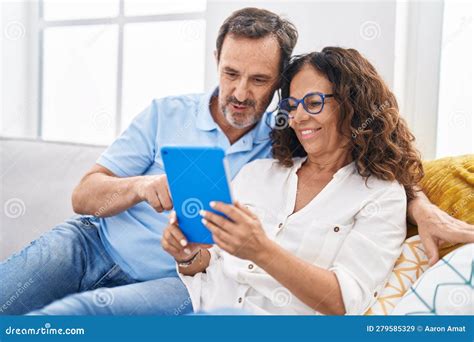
417 65
18 68
367 26
402 39
455 134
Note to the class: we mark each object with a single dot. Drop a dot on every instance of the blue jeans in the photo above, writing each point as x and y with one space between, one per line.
68 272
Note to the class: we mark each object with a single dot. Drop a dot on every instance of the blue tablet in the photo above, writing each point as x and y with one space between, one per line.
196 176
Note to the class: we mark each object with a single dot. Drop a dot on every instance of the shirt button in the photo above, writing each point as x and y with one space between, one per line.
280 225
250 266
375 294
336 229
240 300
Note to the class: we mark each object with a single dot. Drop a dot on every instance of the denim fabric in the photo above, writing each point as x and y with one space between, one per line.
164 297
68 259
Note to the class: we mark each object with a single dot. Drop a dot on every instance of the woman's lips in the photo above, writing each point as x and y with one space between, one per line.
308 133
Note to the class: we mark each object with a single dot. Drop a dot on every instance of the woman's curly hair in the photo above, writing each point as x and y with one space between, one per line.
380 142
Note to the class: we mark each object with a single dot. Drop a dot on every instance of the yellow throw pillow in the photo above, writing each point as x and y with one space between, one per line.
449 183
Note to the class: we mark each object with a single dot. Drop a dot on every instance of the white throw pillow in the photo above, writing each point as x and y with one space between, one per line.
444 289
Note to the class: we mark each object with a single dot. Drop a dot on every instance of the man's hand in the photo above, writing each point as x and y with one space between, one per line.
435 227
154 190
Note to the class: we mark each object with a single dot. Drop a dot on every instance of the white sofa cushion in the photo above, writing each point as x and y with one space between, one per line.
37 179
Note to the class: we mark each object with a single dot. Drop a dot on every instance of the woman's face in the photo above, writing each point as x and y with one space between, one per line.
317 133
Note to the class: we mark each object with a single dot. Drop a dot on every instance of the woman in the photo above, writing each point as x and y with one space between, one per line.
318 228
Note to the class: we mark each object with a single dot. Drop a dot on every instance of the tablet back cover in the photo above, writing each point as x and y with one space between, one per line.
196 176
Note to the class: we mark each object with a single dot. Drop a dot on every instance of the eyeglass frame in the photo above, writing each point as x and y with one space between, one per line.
298 101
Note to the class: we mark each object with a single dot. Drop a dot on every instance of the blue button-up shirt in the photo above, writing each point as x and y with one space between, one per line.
133 237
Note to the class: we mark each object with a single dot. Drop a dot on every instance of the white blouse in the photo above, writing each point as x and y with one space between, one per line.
351 228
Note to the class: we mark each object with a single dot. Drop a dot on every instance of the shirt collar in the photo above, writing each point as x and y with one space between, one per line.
261 132
204 120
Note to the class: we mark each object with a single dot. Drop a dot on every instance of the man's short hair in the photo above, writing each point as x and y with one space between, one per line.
259 23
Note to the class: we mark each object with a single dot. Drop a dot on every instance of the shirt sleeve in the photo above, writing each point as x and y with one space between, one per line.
368 253
215 253
132 153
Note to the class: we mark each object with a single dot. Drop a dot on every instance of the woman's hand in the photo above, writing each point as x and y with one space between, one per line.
241 234
175 243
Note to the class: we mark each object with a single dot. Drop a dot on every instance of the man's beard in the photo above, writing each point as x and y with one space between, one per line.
240 120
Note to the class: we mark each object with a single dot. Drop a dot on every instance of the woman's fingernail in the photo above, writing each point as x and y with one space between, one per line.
183 242
202 212
187 251
212 204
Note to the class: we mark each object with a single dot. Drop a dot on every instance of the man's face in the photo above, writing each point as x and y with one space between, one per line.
248 77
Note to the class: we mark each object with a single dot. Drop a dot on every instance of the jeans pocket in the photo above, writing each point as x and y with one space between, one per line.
113 277
88 221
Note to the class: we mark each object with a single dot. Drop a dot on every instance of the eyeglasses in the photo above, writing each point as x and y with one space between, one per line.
313 103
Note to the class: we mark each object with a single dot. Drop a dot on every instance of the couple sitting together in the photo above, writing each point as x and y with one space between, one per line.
323 188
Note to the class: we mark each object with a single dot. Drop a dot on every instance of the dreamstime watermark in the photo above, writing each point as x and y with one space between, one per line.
282 120
103 297
282 31
191 31
14 208
102 120
458 119
96 36
370 209
184 306
191 207
367 122
463 26
463 203
107 203
281 297
14 30
461 296
182 130
369 30
21 288
46 330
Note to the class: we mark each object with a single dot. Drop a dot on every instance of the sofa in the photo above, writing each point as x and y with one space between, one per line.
38 178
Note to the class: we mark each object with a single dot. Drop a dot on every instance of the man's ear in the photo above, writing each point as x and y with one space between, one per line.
216 58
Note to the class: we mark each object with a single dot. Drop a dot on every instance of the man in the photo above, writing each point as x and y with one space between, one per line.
115 242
